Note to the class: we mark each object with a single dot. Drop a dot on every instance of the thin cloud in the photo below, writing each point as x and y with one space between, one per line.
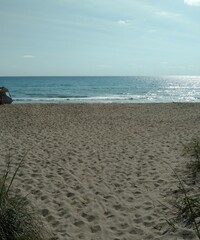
28 56
123 22
192 2
167 14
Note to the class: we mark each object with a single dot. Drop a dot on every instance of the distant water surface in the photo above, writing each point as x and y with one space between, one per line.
103 89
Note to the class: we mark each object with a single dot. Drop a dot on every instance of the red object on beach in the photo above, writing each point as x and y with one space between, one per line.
5 97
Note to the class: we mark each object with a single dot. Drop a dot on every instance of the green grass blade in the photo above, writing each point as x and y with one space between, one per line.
17 169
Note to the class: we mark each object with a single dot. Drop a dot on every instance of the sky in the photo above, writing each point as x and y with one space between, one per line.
99 37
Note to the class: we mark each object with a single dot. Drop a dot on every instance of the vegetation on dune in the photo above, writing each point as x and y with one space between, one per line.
17 218
188 204
188 208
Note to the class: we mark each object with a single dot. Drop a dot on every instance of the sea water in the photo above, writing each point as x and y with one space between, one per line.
103 89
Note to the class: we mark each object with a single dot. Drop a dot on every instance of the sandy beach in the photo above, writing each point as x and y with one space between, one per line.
100 171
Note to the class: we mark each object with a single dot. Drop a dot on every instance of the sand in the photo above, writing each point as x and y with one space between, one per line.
100 171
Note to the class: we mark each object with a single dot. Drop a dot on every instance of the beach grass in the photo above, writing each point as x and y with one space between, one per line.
188 209
188 204
17 218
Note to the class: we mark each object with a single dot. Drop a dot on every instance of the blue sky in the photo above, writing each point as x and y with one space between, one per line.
99 37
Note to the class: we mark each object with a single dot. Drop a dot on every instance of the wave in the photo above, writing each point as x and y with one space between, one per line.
79 99
144 98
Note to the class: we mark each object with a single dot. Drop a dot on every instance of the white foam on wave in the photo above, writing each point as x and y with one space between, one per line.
128 98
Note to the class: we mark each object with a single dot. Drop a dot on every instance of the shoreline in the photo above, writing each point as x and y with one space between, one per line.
103 103
98 171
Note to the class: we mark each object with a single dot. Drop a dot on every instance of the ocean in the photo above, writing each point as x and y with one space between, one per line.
103 89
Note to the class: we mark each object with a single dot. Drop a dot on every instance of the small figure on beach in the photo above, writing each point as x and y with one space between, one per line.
5 96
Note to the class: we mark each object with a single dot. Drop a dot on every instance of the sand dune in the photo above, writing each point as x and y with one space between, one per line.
100 172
